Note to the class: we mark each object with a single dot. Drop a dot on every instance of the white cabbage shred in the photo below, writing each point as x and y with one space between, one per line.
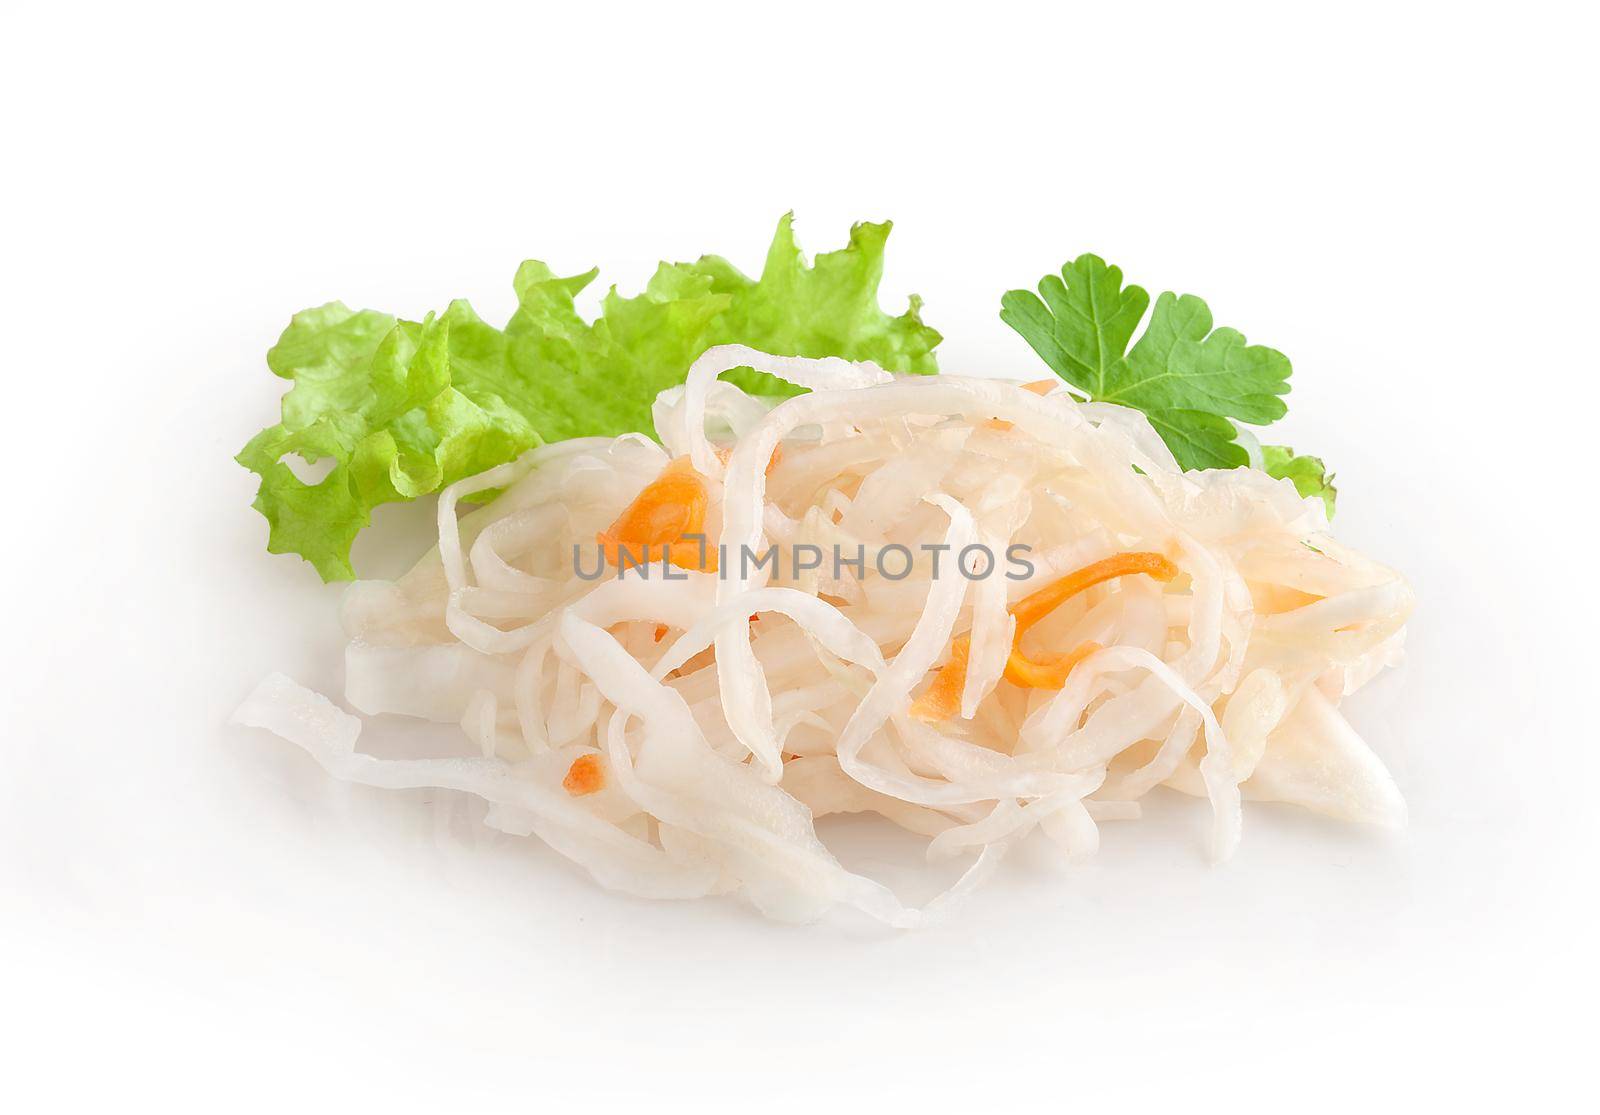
725 712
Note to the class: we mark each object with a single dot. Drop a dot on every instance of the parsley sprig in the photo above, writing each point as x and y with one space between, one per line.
1190 378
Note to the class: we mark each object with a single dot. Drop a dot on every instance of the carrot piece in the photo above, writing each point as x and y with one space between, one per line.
1050 673
942 699
586 775
1038 387
1036 605
671 506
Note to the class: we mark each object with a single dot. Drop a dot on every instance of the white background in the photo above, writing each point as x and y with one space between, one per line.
1401 198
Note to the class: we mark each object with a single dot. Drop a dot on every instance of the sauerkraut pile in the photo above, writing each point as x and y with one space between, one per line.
674 716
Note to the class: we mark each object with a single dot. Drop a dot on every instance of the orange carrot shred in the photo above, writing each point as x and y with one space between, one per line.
671 506
586 775
1038 387
1050 673
942 699
1036 605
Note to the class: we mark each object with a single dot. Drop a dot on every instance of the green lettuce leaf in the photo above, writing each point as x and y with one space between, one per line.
827 309
1311 477
403 408
1187 377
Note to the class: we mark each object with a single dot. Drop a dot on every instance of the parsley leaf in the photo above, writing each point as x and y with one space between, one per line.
1186 376
1311 477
